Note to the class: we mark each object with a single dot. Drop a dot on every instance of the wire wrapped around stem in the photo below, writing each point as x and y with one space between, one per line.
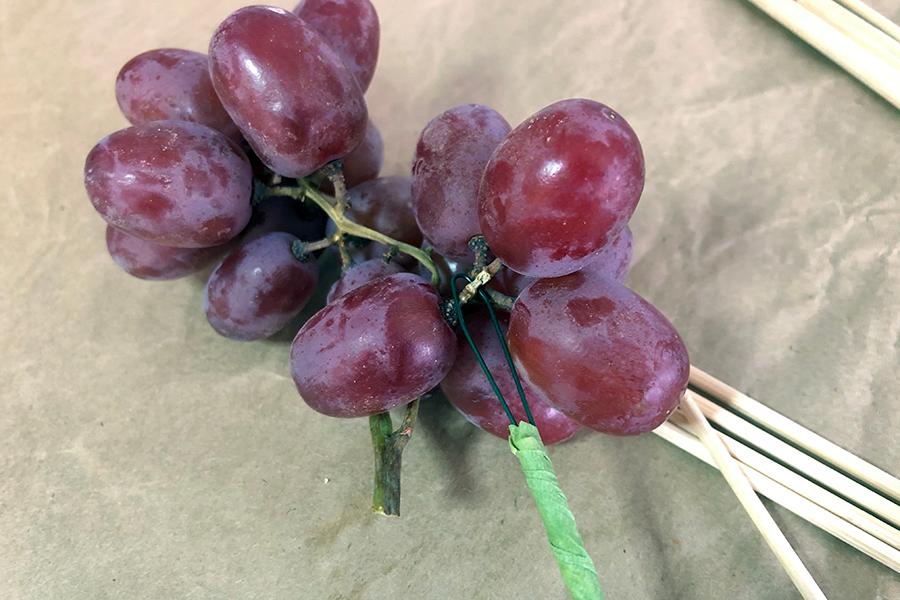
575 565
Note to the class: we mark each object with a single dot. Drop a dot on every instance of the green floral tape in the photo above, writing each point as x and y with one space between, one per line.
575 566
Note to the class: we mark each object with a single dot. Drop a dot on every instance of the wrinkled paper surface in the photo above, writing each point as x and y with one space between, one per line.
142 456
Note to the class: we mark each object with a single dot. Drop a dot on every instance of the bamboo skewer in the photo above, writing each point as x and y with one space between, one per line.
735 477
809 466
867 45
874 17
806 488
880 76
787 498
841 529
856 28
797 434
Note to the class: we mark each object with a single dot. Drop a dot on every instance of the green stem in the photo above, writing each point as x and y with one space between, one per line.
500 300
478 246
320 244
347 226
388 446
335 174
346 261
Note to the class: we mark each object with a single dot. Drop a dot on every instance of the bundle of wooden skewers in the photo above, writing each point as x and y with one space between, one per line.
852 34
761 451
758 450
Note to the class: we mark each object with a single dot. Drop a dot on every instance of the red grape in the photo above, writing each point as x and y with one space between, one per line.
599 352
364 162
286 89
447 167
170 83
361 274
148 260
384 204
171 182
382 345
508 282
613 260
259 288
283 213
467 388
559 186
351 28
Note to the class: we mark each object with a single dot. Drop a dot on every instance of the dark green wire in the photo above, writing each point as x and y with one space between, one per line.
509 361
575 565
486 300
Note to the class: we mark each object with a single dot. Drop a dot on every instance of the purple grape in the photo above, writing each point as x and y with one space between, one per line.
508 282
447 167
613 260
598 352
361 274
382 345
283 213
467 388
384 204
147 260
559 187
259 288
171 84
364 162
289 93
171 182
351 28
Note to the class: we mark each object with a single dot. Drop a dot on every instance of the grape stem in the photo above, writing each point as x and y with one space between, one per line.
321 244
334 209
478 246
482 271
335 173
500 300
388 445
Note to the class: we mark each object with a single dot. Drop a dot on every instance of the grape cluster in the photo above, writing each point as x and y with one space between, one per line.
240 155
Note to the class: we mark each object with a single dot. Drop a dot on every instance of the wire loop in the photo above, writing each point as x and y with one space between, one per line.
486 300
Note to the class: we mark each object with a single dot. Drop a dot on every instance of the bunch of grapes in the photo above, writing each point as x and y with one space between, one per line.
261 155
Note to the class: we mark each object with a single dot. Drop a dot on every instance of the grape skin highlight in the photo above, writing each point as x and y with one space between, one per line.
171 182
289 93
599 353
259 288
559 186
381 345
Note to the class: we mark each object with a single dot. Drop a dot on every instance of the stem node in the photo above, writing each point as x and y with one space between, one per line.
388 446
